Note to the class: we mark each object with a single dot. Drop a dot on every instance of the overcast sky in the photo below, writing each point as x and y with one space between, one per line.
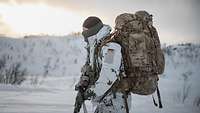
175 20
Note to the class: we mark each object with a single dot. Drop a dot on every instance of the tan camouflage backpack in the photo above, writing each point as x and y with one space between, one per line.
143 58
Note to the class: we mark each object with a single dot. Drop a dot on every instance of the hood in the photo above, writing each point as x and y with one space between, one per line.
105 31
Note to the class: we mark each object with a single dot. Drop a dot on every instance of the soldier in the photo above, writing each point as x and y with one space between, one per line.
102 69
126 61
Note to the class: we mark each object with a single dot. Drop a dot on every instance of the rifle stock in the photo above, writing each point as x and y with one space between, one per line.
79 101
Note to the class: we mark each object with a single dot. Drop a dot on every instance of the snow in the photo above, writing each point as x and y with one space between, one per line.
61 58
55 95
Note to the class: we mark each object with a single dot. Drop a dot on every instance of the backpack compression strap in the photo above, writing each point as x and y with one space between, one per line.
159 99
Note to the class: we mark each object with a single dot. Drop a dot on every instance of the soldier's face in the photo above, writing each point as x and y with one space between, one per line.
85 38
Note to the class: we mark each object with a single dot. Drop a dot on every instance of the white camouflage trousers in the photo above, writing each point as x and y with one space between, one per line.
113 104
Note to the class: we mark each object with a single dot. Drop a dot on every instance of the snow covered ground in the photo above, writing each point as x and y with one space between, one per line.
60 60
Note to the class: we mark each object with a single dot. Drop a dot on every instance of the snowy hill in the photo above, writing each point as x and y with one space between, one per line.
43 55
53 65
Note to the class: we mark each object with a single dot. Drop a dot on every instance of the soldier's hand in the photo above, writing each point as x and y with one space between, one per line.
83 83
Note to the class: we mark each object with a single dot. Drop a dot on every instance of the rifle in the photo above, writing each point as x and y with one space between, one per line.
82 94
80 100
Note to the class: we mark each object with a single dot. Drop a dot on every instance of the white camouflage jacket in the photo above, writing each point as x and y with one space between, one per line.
110 61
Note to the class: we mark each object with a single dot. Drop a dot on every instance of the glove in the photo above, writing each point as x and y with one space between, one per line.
83 83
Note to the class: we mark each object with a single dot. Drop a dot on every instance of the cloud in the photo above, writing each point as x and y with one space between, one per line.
5 1
4 29
180 17
20 1
76 4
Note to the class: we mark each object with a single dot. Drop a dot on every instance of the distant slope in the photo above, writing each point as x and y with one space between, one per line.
44 55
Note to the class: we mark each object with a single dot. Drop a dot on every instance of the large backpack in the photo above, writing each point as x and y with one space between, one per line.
143 58
142 55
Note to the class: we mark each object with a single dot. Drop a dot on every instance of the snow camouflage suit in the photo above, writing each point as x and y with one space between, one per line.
109 62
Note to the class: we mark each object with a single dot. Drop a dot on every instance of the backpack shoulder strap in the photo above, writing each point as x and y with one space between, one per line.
107 39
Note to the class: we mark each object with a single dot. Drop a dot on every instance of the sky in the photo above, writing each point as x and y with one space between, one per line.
176 20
